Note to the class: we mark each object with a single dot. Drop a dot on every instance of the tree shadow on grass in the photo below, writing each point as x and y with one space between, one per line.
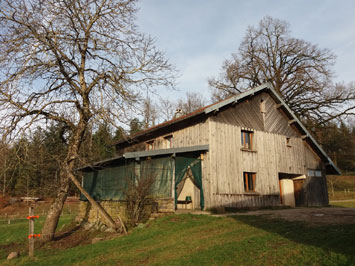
74 228
339 238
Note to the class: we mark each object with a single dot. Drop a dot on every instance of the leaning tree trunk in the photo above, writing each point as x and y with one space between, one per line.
67 169
96 205
55 210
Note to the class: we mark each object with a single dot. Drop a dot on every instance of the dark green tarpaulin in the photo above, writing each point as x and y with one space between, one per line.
110 183
162 170
182 164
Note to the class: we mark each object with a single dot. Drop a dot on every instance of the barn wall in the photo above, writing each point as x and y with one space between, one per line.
248 114
271 155
191 135
277 148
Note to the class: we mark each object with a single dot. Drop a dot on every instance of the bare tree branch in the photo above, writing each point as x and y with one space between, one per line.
72 62
300 72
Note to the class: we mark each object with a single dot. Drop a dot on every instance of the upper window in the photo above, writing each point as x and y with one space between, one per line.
247 139
317 173
249 181
168 141
262 106
150 145
288 142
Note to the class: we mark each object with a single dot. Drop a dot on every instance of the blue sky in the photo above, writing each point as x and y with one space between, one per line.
198 35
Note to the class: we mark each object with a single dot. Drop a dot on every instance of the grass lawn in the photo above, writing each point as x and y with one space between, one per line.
341 195
13 236
206 240
345 203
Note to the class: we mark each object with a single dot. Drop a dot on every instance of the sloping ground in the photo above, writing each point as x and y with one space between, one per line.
188 239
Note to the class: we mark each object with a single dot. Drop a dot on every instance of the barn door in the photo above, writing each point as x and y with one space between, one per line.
297 185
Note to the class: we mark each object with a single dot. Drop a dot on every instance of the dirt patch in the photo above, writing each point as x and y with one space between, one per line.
312 216
76 236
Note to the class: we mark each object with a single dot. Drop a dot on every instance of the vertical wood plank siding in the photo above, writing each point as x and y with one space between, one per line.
223 165
271 154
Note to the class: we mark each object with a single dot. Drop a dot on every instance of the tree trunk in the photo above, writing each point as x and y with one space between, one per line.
55 210
66 175
101 210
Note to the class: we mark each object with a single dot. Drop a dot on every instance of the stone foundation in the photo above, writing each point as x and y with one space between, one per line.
165 205
91 216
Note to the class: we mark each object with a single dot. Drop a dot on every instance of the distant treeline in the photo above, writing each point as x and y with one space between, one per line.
30 166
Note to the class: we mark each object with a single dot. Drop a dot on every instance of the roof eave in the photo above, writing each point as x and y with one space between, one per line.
308 135
140 154
158 127
232 100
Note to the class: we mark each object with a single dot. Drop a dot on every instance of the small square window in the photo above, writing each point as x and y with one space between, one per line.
249 181
150 145
168 141
318 173
247 139
288 142
314 173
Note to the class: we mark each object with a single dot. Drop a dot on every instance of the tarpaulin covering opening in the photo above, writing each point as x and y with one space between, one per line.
110 183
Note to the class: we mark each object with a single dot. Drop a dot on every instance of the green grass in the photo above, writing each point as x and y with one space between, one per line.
345 204
341 195
344 187
15 234
206 240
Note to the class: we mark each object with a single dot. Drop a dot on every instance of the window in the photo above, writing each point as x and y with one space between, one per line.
316 173
249 181
150 145
247 139
168 141
262 106
288 142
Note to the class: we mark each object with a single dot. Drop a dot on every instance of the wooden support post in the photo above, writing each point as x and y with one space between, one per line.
290 122
31 241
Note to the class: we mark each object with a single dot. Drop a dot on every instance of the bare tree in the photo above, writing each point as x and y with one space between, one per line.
138 195
192 102
72 62
298 70
150 113
167 109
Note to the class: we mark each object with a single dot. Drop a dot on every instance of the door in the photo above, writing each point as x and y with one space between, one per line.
287 192
297 185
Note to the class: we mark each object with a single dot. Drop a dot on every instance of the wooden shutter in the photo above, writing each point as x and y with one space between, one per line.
254 177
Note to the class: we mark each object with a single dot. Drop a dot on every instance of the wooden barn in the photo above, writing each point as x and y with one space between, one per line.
249 150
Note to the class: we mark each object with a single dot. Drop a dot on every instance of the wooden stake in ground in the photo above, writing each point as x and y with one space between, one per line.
31 236
31 241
